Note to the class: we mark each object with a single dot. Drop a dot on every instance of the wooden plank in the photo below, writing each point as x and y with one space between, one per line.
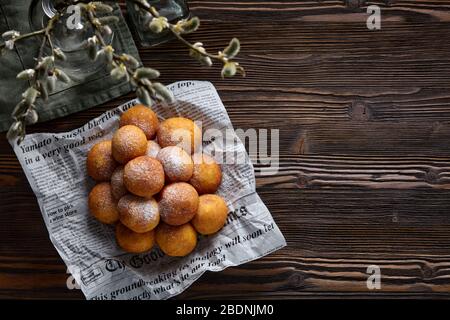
364 168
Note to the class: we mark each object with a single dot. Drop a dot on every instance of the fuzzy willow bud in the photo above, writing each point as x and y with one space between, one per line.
10 34
162 91
232 49
101 7
206 61
27 74
130 60
146 73
43 90
108 20
190 25
51 83
9 44
199 54
119 72
92 47
144 3
19 109
157 25
106 52
106 30
59 54
144 96
229 69
45 63
62 76
30 95
14 130
31 116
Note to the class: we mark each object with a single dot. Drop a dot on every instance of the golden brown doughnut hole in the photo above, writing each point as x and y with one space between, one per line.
181 132
102 204
100 162
128 143
178 203
142 117
207 175
134 242
211 214
176 241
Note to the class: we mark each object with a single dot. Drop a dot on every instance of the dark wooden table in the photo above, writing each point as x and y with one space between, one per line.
364 119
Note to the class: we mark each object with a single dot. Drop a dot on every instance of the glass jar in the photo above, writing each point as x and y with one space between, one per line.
139 21
72 41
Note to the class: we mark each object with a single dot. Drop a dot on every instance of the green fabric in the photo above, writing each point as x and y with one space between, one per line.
82 93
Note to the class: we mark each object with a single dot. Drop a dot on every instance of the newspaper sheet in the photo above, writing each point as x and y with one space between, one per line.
54 164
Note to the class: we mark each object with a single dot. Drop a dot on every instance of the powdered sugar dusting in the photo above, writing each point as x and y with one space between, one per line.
128 142
144 176
139 211
153 149
179 203
178 165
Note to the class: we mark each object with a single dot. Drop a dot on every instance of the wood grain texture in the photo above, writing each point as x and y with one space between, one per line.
364 168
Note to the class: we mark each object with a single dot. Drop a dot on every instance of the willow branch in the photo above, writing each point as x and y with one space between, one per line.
25 36
152 10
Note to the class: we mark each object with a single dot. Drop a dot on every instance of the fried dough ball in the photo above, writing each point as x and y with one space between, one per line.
100 162
102 204
207 174
134 242
177 164
128 143
142 117
178 203
143 176
211 214
176 241
152 149
180 132
138 214
117 186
